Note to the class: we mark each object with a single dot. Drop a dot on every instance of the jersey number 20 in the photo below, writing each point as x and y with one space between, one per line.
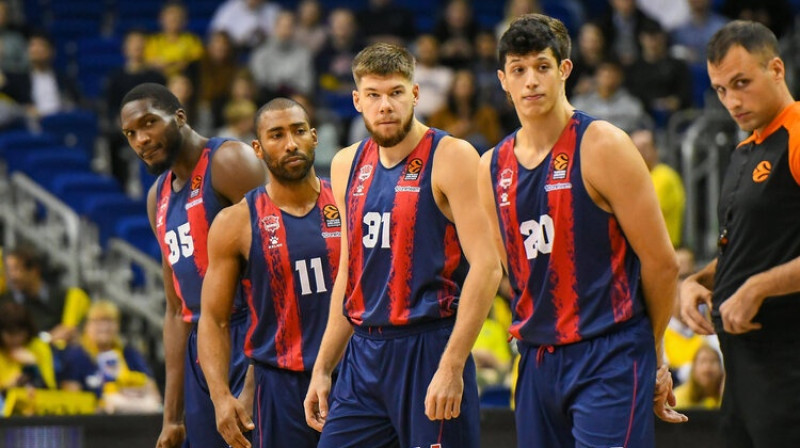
539 236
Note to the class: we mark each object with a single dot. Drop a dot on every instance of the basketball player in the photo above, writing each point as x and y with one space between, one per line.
284 238
589 259
198 177
408 191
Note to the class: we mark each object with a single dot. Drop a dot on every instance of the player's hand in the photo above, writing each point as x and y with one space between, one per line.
663 396
739 310
172 435
233 421
443 400
316 402
692 295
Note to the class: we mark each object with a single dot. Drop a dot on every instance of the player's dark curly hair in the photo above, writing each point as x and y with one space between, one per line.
160 96
534 33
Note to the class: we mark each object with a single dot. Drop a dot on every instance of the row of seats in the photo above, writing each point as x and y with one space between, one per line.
59 160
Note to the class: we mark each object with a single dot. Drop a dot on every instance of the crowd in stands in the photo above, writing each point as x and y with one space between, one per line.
55 343
636 63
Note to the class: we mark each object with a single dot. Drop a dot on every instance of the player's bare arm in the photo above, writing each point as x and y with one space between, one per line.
228 244
235 170
487 201
338 329
455 187
176 334
618 181
696 290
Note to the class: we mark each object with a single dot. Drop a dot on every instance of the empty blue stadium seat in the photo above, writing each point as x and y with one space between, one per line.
496 397
75 188
22 139
74 128
51 160
137 231
107 209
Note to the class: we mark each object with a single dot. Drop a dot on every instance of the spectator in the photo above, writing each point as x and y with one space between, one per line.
776 15
668 14
514 9
51 91
610 101
465 117
668 184
25 360
661 82
248 22
294 73
621 28
332 64
456 31
13 57
434 79
120 81
174 48
239 124
329 132
689 38
215 75
15 100
492 351
588 54
183 88
383 21
704 388
484 66
102 363
54 310
310 30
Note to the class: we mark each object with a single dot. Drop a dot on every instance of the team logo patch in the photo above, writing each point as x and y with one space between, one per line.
331 214
761 172
197 183
506 178
413 168
560 165
162 209
271 224
363 175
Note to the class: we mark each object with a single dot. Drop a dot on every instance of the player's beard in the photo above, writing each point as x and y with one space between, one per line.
171 149
388 141
278 171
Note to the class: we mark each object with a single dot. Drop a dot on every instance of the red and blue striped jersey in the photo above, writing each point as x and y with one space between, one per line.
403 252
573 273
182 221
288 280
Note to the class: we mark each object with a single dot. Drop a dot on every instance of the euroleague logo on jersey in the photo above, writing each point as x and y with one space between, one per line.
413 168
560 165
761 172
331 214
197 183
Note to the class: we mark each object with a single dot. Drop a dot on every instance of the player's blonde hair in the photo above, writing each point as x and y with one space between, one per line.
383 59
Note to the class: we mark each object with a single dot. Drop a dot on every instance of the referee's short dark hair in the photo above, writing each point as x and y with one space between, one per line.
752 36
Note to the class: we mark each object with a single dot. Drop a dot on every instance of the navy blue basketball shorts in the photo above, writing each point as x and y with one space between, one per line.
201 424
379 397
278 409
593 393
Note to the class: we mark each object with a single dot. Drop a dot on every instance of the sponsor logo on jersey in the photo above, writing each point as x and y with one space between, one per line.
761 172
399 189
558 186
363 175
506 178
560 165
191 204
331 214
413 168
271 224
197 183
327 235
